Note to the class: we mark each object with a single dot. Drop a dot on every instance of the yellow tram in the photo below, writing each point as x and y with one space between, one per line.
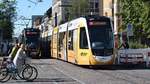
84 41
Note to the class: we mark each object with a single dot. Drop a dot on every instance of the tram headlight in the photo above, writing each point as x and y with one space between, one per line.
94 56
103 58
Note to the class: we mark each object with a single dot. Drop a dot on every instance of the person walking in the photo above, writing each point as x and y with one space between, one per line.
125 45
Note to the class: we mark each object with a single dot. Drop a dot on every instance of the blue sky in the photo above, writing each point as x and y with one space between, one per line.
26 9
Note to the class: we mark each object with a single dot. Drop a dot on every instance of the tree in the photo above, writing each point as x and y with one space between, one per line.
78 8
146 20
7 16
136 12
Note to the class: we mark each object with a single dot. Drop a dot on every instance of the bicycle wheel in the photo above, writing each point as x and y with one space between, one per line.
27 72
30 73
5 76
34 74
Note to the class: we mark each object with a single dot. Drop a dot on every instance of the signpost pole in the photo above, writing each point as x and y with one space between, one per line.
129 31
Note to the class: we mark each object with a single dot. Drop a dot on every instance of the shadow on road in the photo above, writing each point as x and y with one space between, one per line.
54 80
117 67
46 80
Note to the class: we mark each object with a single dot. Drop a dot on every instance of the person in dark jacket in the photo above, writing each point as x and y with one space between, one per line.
125 45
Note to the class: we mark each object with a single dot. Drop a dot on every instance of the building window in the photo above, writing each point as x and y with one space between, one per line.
91 5
97 10
96 5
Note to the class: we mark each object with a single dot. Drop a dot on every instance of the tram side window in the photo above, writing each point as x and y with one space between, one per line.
70 42
83 39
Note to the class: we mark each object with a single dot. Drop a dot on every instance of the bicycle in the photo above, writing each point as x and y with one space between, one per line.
10 71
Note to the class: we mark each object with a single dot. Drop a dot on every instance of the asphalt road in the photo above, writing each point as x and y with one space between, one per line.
52 71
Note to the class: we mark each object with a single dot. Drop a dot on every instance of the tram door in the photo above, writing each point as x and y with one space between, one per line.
62 46
72 42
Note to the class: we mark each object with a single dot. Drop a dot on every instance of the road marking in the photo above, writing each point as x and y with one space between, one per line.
69 75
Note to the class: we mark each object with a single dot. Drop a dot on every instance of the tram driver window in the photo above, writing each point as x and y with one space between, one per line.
83 39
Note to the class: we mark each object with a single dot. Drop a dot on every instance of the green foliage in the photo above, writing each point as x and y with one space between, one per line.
136 12
7 16
146 18
136 45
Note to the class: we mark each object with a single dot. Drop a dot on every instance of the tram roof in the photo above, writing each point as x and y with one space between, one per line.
73 24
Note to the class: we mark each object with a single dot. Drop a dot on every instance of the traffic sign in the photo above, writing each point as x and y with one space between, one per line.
129 29
129 26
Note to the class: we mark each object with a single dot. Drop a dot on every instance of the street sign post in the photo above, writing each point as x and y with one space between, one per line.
129 29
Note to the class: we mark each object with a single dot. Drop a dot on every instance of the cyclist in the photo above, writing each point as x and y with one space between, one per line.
11 55
20 57
14 51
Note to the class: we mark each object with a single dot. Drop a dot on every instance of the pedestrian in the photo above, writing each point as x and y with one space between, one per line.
125 45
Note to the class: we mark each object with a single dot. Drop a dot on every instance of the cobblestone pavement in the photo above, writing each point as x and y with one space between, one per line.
47 74
52 71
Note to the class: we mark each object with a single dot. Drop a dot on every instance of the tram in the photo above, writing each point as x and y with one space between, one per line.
31 38
84 41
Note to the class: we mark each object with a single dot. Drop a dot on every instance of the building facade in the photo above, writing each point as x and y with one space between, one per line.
110 9
60 12
36 20
106 8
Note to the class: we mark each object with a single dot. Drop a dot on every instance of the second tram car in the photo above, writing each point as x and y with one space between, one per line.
31 37
84 41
